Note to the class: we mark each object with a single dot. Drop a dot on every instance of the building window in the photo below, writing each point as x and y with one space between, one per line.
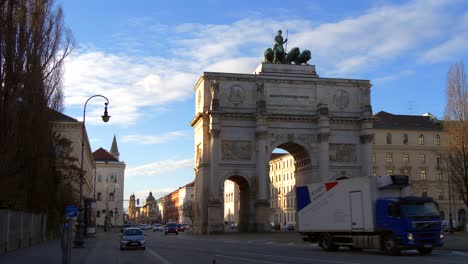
389 138
424 192
421 140
405 139
437 140
111 197
374 157
98 214
423 175
405 158
440 193
439 175
374 171
406 172
438 161
389 157
99 178
99 196
422 158
389 171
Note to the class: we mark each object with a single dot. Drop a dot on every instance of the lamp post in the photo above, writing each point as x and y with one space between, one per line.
79 243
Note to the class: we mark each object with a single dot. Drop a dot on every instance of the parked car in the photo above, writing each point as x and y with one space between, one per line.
288 227
171 228
132 237
158 227
124 226
144 227
180 228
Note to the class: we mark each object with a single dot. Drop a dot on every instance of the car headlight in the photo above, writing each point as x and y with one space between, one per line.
124 241
441 236
410 237
142 241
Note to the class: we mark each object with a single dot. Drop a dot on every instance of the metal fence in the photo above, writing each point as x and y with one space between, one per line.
21 229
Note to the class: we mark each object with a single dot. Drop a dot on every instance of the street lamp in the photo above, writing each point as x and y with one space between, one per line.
79 243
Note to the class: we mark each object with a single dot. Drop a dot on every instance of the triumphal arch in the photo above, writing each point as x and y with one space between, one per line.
324 123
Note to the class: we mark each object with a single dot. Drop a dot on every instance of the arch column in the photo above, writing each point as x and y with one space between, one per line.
262 204
324 125
215 201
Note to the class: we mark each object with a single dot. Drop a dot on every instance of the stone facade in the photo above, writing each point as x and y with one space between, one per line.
110 174
413 145
325 123
72 130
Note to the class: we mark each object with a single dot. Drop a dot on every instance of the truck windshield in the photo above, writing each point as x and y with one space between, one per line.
420 209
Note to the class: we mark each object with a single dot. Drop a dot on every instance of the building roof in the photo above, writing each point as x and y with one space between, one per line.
114 149
59 117
384 120
103 155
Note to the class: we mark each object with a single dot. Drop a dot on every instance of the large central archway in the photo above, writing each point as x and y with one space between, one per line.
326 125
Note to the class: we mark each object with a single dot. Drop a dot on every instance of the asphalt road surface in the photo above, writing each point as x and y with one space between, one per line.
185 248
192 249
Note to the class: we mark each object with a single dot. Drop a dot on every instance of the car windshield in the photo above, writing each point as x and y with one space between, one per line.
171 225
133 232
419 209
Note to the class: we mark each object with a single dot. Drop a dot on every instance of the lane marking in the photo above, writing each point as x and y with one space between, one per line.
248 260
298 258
156 255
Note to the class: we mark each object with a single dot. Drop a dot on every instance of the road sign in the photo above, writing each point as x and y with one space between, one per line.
71 211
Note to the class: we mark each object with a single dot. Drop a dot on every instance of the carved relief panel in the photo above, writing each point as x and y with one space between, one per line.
236 150
342 152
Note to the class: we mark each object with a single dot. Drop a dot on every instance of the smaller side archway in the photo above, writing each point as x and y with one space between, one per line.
238 214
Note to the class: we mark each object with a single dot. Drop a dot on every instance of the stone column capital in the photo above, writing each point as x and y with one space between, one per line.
366 138
322 137
261 134
215 132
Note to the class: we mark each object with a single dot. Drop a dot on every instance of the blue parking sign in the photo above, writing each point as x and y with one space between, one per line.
71 211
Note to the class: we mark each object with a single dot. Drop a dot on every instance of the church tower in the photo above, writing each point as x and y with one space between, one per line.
114 149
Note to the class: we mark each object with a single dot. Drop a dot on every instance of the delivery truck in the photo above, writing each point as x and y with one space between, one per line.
375 212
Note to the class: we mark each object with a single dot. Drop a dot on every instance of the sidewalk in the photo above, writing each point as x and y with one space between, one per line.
50 252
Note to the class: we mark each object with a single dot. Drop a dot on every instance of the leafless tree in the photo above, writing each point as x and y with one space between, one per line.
456 127
33 46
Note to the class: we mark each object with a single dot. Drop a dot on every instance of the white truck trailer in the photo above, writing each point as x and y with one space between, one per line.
368 212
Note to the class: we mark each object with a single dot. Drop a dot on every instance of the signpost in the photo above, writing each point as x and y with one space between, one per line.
71 212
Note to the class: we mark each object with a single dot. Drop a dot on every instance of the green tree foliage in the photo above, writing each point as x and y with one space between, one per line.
33 45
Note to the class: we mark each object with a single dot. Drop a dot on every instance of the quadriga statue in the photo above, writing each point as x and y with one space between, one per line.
278 54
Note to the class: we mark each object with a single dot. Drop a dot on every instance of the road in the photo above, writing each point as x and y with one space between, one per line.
221 250
250 249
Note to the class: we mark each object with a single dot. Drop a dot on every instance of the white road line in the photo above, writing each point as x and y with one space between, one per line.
156 255
248 260
307 260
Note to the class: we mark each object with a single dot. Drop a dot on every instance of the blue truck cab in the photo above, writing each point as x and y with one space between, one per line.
409 223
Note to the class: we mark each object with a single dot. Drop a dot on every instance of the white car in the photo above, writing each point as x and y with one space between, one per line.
158 227
144 227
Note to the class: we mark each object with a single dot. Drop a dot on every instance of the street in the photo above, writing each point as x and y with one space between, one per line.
226 249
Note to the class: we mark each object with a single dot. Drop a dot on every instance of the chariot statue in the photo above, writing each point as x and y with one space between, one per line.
278 53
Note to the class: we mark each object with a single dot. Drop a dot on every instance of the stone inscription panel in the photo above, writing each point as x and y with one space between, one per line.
342 152
236 150
287 99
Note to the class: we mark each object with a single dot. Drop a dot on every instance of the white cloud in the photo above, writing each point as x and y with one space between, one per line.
159 167
154 139
386 78
370 40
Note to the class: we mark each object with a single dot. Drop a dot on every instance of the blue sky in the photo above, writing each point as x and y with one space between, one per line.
147 55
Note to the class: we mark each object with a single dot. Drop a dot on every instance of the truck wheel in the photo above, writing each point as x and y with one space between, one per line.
425 251
390 246
326 242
